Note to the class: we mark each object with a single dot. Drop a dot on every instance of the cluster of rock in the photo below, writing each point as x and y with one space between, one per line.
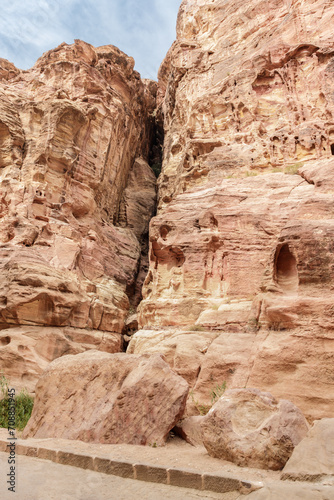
138 399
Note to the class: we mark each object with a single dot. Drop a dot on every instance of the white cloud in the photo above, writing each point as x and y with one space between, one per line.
144 29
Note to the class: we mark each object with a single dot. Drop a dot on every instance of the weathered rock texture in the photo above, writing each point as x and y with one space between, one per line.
253 429
25 351
313 457
190 430
108 398
241 248
76 191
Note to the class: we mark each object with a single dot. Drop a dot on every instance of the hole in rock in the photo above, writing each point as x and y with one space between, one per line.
286 269
5 341
332 149
213 221
164 230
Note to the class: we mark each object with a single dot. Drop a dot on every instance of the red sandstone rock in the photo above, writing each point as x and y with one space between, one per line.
251 428
25 351
74 136
313 458
184 351
190 430
242 242
76 191
108 398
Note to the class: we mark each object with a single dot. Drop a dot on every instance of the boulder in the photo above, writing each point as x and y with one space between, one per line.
251 428
313 457
108 398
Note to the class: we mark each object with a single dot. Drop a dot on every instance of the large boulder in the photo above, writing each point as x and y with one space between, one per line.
251 428
108 398
313 457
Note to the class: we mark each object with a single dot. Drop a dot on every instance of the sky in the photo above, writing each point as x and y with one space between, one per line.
143 29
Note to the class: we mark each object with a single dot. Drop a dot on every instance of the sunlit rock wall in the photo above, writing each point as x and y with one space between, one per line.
76 197
242 247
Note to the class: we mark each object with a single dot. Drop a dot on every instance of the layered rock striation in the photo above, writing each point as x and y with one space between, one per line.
76 197
241 249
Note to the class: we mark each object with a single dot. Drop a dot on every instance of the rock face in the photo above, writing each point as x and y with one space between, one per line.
76 191
25 351
108 398
252 429
242 245
313 457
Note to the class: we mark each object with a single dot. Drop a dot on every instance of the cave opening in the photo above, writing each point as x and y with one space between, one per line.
332 149
286 272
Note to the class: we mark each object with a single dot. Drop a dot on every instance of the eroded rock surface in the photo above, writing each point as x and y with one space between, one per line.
252 429
108 398
25 351
76 191
242 244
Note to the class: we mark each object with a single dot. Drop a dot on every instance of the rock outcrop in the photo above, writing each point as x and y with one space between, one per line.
241 250
76 191
252 429
108 398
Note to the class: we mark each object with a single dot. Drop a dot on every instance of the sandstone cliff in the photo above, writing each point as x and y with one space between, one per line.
240 284
240 280
76 197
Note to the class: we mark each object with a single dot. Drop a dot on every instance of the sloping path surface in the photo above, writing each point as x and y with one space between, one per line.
50 469
43 480
177 464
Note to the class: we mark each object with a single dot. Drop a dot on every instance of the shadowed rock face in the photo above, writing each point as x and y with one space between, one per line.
240 245
75 134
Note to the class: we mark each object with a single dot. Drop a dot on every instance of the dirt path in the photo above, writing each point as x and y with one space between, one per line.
44 480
